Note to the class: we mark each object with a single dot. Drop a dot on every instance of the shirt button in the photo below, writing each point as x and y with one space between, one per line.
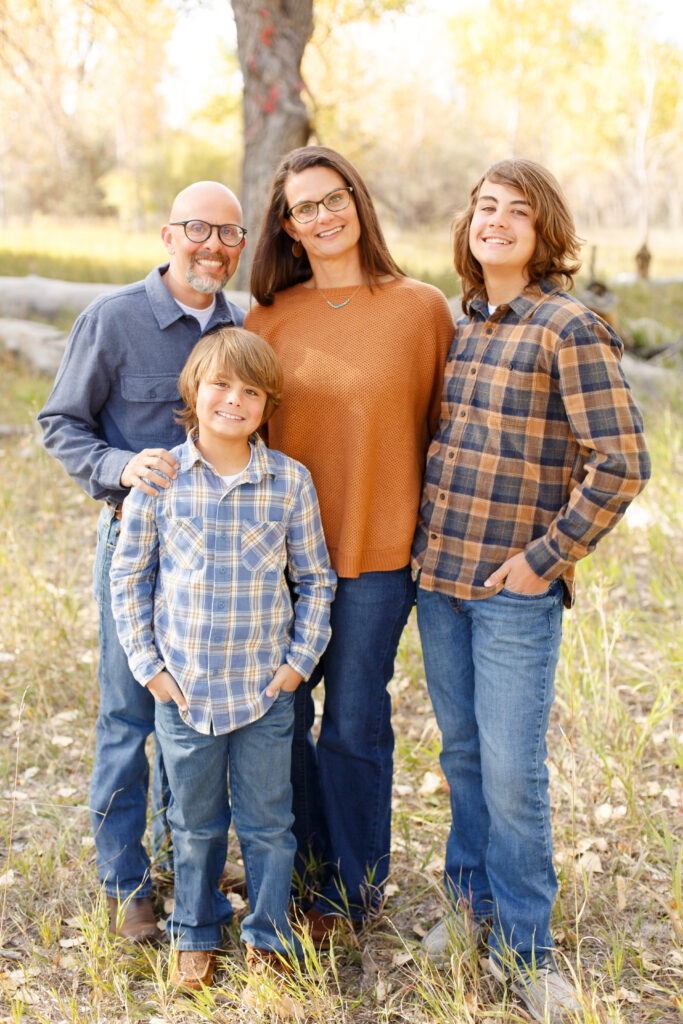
442 497
489 330
151 394
433 536
473 370
463 414
223 570
451 454
220 604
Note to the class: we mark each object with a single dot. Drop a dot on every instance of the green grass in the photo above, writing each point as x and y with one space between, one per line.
616 756
88 250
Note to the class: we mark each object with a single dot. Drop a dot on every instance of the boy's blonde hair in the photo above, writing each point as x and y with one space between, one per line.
557 244
224 351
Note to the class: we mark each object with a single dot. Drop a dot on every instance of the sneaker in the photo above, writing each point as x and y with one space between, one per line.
456 927
547 994
267 974
192 968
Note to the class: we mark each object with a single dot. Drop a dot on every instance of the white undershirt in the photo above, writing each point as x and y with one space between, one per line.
229 480
202 315
492 309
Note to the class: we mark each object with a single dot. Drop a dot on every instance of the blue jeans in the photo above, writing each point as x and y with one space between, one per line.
342 785
120 776
258 756
490 668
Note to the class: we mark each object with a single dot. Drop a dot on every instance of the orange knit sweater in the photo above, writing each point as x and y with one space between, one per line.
361 401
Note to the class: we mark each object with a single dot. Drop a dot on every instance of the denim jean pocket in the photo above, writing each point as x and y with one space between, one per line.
515 596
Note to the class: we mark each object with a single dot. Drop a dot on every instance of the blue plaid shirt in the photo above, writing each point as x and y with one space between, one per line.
199 589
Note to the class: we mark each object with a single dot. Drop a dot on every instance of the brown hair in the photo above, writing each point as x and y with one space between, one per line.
275 267
230 349
557 244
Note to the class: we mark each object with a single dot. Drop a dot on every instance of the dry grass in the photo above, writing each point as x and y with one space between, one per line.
616 745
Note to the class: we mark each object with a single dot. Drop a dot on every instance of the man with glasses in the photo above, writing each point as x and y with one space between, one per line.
110 422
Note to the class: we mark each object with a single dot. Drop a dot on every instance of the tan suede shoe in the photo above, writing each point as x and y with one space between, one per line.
192 968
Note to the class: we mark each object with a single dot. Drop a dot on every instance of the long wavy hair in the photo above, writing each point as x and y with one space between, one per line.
275 267
557 244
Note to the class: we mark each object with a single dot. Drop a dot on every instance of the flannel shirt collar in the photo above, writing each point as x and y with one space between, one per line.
261 465
524 305
166 309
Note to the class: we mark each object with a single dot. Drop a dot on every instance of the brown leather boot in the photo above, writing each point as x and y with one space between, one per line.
322 927
133 919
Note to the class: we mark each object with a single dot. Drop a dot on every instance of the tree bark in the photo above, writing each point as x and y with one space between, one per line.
271 38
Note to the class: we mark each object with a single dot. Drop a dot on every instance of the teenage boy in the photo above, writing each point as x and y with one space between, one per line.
109 421
539 451
203 610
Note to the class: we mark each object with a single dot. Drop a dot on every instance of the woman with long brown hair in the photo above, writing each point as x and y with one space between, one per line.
363 350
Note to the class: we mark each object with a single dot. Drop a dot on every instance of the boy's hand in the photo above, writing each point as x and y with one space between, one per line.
164 688
518 576
284 679
144 465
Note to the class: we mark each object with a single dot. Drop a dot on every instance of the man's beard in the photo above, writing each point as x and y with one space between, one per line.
205 285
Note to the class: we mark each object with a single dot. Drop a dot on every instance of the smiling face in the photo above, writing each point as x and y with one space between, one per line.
228 409
197 270
502 238
331 236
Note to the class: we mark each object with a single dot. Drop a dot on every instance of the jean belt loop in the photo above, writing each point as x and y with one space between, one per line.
114 509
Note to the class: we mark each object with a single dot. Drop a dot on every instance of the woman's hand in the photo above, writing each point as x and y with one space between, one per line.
284 679
518 576
164 688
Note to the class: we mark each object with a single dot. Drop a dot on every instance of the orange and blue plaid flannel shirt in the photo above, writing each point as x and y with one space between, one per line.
539 449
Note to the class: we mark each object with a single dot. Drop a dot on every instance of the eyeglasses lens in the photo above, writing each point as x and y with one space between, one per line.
199 231
334 201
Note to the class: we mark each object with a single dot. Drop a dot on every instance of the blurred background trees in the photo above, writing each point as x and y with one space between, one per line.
107 107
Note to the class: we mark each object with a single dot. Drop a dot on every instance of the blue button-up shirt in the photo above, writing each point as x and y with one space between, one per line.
117 387
199 589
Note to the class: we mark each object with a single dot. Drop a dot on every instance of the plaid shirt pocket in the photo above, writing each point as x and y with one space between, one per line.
182 541
262 546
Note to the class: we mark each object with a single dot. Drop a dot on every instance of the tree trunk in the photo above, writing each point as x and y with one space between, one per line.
271 38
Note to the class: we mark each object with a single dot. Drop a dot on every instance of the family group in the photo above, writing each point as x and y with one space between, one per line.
278 490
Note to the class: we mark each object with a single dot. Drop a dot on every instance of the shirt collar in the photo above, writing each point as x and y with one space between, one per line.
166 309
524 305
262 463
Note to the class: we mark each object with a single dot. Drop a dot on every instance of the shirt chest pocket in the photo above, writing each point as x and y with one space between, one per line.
182 543
139 389
262 546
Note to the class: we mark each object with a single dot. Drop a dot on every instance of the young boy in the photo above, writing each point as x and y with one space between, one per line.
204 613
539 451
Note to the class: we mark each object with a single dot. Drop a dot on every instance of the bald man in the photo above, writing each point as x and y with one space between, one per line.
109 421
